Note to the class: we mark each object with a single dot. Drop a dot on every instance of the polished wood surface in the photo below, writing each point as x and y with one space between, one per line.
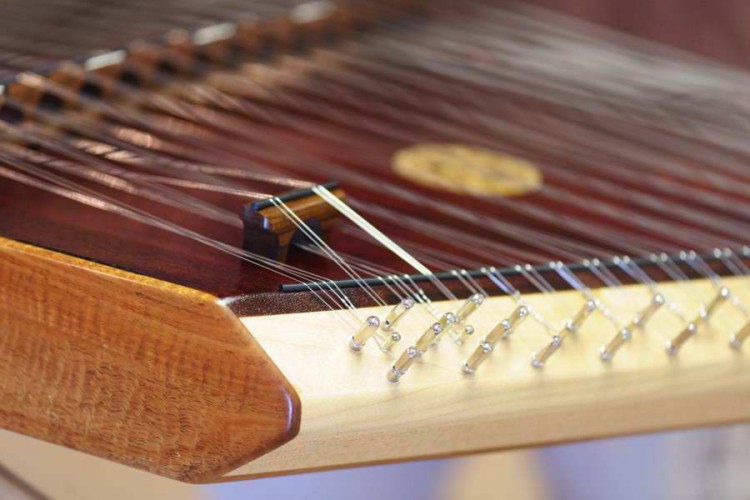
710 28
269 232
128 368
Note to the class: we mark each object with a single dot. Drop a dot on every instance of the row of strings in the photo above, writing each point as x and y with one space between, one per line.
640 150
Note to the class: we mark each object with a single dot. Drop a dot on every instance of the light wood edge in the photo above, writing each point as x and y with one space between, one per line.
353 416
132 369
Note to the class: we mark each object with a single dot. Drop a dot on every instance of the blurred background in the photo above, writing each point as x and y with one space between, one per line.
697 464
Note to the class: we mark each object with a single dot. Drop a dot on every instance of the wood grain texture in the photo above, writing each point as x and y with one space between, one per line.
135 370
269 232
354 416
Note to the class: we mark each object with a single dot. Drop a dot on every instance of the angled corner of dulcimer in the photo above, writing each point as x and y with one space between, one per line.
133 369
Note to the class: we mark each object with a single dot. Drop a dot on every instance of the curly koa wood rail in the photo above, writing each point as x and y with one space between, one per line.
133 369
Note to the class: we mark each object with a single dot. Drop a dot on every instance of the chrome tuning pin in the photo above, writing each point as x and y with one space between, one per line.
503 329
575 323
468 307
397 314
431 336
463 331
644 316
673 346
367 330
609 350
402 364
704 316
435 332
539 358
722 296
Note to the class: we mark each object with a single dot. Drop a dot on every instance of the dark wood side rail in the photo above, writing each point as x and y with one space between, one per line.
132 369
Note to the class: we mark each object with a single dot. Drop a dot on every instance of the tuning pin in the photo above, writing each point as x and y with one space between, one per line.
447 322
673 346
738 338
574 324
609 350
468 307
509 325
501 331
482 352
430 336
397 313
539 358
403 363
644 316
704 316
367 330
710 309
